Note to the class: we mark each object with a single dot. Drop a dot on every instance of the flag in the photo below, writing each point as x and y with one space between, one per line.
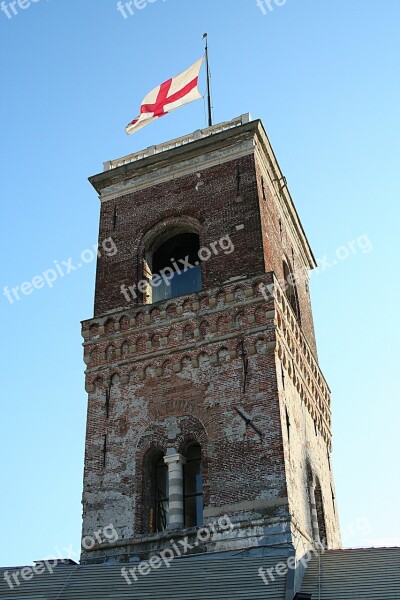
168 96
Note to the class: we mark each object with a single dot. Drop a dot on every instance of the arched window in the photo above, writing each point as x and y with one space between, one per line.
161 493
291 289
193 487
173 266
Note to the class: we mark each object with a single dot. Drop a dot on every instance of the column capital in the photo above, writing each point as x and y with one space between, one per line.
174 458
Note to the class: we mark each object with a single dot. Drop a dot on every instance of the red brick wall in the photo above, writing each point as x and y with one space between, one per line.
200 382
182 358
279 245
214 207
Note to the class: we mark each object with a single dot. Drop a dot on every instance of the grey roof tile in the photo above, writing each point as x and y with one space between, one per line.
186 579
359 574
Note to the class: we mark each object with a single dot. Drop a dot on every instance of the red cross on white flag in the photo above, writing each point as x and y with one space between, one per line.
168 96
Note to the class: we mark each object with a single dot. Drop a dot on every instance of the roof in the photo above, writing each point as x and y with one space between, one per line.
362 574
186 579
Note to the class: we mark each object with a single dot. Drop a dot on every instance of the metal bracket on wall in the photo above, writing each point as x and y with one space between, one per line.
248 421
238 179
104 450
108 397
282 182
245 361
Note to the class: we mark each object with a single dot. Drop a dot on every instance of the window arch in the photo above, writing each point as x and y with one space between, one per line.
193 487
174 253
158 474
291 289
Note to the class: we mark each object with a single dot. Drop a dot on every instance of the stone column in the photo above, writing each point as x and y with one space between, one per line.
175 464
314 514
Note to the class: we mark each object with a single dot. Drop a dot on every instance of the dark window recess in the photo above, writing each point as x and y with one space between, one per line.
193 488
263 188
291 290
115 217
161 495
287 423
283 376
180 247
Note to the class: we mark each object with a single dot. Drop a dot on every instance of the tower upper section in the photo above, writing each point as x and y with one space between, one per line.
200 211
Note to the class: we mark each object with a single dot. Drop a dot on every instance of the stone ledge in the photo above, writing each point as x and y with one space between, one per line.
246 506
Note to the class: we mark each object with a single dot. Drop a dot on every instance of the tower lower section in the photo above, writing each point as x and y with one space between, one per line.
194 430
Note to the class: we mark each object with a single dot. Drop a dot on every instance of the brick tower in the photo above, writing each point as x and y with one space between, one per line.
205 394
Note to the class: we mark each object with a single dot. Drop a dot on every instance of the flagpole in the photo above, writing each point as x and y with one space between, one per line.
210 120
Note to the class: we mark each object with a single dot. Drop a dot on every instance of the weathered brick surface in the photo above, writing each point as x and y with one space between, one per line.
281 242
214 211
179 364
198 380
305 423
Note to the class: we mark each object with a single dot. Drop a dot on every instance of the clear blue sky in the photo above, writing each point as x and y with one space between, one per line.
324 78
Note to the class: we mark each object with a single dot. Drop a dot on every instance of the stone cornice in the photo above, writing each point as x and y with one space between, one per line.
175 163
